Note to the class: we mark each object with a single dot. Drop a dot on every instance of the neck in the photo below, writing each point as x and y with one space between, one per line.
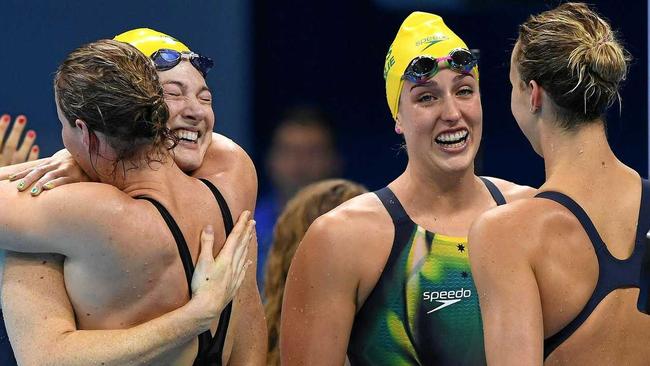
576 155
437 191
137 177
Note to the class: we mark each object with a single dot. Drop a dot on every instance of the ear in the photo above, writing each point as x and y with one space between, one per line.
398 126
85 131
90 140
535 96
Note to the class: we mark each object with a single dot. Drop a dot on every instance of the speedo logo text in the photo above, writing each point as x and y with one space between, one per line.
446 298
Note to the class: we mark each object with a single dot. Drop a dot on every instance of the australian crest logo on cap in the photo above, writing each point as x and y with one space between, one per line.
431 40
390 61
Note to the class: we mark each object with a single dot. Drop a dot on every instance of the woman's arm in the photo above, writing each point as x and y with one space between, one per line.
511 307
41 322
320 297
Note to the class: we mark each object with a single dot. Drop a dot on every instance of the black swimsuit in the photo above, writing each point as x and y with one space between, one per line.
613 273
210 348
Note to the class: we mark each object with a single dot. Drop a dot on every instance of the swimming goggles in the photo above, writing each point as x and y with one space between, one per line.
165 59
422 68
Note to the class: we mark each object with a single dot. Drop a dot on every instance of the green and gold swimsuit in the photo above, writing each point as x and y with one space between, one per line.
424 309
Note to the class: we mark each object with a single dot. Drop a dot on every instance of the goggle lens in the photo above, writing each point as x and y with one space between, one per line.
166 59
425 67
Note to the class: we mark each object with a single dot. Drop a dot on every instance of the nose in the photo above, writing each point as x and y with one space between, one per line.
193 110
450 110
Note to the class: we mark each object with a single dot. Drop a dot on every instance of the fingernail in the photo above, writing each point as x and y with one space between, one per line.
48 185
35 149
21 119
209 229
21 185
31 134
12 177
34 191
5 118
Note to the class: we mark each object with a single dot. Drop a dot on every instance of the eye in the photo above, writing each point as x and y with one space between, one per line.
205 97
465 91
425 98
172 92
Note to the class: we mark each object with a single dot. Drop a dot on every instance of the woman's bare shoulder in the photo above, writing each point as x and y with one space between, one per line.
513 191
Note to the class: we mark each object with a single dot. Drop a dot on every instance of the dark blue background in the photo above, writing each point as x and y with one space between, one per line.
271 54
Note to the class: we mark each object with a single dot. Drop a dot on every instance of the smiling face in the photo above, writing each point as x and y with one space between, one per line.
191 117
442 121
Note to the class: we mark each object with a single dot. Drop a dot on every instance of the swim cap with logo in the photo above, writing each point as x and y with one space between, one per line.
421 34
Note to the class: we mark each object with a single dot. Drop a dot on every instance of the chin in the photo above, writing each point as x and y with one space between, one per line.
190 159
186 163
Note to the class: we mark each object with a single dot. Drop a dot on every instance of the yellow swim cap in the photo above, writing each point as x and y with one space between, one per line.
149 41
421 34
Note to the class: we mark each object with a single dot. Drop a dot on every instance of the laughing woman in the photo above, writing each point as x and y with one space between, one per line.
385 277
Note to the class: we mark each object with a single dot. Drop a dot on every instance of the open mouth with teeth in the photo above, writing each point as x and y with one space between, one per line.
187 136
451 140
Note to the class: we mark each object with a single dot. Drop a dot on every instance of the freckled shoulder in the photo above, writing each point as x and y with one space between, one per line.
351 232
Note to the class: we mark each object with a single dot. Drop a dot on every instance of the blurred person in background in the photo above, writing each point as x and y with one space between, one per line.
303 151
308 204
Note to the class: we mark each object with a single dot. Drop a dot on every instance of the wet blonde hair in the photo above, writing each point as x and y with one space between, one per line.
575 56
306 206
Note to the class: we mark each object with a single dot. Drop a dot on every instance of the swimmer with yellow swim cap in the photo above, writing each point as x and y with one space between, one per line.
200 153
385 278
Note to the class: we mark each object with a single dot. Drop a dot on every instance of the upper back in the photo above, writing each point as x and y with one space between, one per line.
126 267
587 269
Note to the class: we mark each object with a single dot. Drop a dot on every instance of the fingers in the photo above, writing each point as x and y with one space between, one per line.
11 144
46 181
4 124
236 235
242 276
33 153
207 244
21 155
55 183
242 249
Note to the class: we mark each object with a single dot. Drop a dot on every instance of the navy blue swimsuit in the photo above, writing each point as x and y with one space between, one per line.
613 273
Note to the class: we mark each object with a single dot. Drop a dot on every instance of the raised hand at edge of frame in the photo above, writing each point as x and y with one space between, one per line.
10 152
